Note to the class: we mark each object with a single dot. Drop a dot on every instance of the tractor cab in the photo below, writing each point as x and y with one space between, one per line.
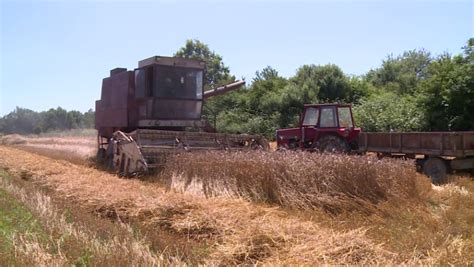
323 127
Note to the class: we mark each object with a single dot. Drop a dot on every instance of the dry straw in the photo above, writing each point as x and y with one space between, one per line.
239 232
306 188
305 181
31 249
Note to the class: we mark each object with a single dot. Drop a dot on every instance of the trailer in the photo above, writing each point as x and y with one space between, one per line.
435 153
331 128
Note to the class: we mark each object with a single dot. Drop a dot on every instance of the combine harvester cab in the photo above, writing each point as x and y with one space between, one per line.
146 114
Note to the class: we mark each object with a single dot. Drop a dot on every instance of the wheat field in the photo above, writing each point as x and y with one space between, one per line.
271 208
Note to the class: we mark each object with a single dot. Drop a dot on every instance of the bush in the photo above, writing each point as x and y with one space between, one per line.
386 112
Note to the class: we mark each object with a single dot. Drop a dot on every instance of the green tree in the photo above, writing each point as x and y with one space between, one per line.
25 121
263 96
74 120
448 94
21 120
256 109
386 111
360 88
321 83
55 119
89 119
403 73
216 73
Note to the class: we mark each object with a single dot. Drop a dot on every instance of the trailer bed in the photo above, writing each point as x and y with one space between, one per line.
439 144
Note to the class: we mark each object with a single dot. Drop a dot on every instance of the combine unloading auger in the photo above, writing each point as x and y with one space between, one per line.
147 114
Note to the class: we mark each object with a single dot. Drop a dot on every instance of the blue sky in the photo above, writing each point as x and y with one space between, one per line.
56 53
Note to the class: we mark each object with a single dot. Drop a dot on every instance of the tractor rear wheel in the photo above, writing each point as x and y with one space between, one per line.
332 144
436 169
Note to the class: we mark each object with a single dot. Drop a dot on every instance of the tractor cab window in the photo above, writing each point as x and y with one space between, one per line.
328 117
345 118
311 116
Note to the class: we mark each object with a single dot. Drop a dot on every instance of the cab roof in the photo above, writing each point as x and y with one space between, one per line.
327 105
171 61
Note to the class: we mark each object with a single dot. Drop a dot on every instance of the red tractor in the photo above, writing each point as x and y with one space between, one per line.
322 127
330 128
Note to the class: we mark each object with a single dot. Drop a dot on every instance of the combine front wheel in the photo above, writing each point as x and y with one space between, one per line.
100 157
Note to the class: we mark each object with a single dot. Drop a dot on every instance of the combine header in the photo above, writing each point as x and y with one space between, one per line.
146 114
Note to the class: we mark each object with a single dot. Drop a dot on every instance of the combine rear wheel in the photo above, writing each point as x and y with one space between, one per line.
436 169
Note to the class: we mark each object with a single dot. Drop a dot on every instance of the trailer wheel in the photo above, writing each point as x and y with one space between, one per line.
435 168
332 144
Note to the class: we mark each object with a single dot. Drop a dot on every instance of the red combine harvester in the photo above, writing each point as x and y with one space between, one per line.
155 110
331 128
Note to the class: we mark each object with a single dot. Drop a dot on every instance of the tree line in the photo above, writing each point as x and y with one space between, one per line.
25 121
414 91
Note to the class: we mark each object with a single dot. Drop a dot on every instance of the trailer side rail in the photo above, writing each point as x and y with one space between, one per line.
441 144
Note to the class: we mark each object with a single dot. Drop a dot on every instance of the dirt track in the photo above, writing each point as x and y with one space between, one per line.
241 232
70 148
234 231
81 146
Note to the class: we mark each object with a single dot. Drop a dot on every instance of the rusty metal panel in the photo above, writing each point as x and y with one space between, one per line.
98 114
376 140
106 92
462 164
430 141
468 143
117 70
396 141
119 90
410 140
112 108
454 144
171 123
112 118
453 141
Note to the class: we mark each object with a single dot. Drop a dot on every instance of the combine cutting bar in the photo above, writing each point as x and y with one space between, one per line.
144 149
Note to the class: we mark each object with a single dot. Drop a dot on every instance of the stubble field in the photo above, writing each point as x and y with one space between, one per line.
221 208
